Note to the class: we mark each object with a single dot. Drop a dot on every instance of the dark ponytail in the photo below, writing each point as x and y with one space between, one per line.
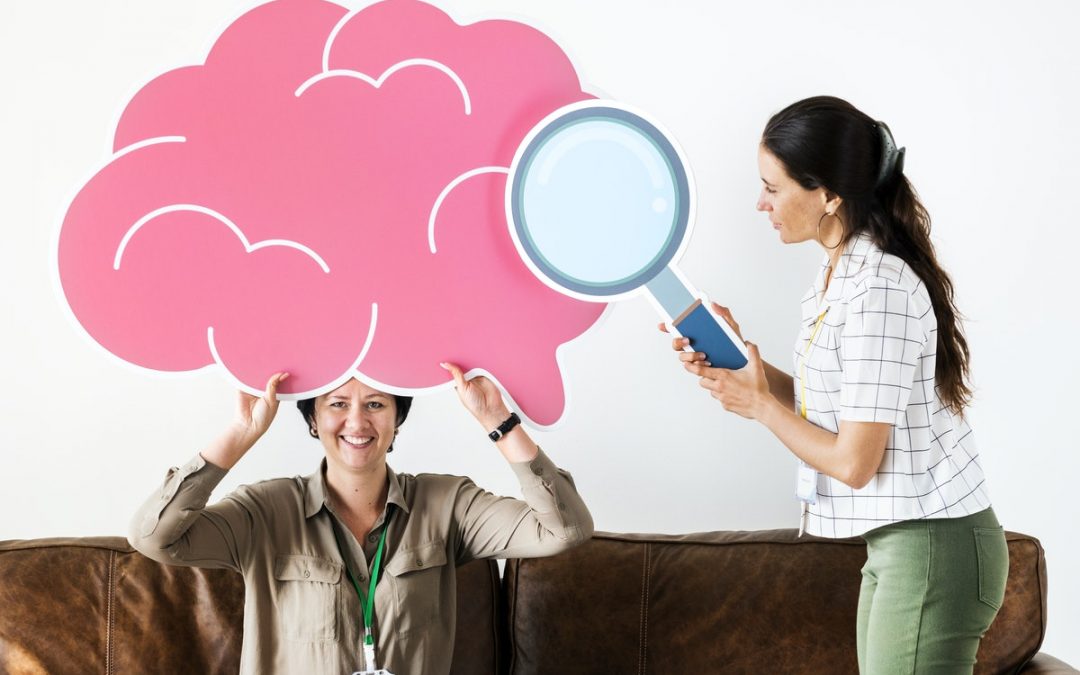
826 142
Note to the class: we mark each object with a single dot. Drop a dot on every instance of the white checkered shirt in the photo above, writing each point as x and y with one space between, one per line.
873 360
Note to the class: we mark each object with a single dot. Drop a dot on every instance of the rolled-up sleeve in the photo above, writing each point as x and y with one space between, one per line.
881 344
552 517
174 525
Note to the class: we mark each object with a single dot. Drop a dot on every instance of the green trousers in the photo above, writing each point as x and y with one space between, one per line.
930 589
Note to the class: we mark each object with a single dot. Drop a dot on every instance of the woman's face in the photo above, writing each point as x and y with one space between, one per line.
356 425
793 210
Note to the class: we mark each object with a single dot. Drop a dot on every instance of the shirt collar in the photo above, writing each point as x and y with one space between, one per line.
315 491
849 264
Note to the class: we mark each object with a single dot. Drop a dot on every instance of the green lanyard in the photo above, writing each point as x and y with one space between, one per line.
368 605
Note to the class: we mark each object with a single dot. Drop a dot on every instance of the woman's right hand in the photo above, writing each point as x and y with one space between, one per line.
699 357
253 417
254 414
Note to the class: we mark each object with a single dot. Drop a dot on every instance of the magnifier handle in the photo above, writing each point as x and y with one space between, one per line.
722 347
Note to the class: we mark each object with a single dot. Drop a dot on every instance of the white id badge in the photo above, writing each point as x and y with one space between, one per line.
806 485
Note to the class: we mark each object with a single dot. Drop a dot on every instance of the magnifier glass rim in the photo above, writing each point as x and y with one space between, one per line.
597 111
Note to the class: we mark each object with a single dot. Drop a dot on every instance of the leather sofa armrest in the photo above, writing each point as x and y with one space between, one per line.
1044 664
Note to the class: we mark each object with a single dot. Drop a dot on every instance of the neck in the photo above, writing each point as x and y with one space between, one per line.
361 493
834 260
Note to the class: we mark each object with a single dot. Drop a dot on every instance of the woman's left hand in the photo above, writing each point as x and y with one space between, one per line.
480 396
744 391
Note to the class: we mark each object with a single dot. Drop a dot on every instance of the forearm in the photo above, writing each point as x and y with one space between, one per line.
517 446
559 507
557 517
170 510
781 385
227 449
550 518
810 443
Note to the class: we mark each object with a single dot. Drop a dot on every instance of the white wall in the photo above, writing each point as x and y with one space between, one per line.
984 96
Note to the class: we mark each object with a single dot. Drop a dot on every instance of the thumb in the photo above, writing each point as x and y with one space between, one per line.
752 353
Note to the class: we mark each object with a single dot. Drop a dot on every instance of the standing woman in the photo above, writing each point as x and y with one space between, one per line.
874 411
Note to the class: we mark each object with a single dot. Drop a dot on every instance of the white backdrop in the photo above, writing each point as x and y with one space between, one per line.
984 97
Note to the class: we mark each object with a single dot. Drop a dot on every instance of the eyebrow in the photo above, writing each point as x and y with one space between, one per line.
341 397
767 182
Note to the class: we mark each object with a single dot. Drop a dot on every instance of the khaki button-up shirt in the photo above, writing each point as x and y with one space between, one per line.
301 613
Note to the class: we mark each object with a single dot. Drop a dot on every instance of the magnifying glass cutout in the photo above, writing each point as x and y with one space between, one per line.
599 201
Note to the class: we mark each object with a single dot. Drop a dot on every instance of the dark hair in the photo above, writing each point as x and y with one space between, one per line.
826 142
402 404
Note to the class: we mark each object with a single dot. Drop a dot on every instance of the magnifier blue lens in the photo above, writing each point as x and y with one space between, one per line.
600 201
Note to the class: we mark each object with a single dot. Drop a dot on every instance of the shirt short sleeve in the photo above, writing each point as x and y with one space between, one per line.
881 343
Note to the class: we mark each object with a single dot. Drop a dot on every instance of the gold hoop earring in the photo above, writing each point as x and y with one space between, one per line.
840 241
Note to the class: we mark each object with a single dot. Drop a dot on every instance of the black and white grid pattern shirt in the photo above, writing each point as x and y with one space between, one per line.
873 360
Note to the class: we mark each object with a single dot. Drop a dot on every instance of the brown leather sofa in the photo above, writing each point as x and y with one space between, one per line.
720 602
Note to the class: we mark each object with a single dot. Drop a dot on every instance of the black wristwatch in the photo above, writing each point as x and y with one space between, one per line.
505 427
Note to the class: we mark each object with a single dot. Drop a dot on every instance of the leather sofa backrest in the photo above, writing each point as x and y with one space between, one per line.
93 605
725 602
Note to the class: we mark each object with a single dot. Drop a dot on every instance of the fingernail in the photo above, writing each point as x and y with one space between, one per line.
707 363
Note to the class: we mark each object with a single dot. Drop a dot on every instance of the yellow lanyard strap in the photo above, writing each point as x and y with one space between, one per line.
802 364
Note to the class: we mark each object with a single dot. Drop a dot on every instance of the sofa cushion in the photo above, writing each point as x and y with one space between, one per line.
731 602
95 605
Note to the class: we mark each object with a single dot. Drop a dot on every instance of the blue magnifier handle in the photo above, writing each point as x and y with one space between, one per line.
693 320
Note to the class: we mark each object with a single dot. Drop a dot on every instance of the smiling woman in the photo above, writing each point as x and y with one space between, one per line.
352 567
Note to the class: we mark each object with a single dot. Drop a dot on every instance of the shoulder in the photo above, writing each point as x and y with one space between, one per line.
271 495
434 489
432 482
883 277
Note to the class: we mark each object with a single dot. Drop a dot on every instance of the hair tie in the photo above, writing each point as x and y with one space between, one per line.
892 160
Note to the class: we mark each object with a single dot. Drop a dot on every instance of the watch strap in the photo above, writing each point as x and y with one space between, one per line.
505 427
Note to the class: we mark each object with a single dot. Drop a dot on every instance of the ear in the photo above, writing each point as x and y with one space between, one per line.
831 202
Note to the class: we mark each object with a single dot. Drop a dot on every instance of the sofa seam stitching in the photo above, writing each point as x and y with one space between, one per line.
512 619
648 588
109 616
643 609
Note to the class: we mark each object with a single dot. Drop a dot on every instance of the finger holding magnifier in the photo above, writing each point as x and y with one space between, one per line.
679 344
725 314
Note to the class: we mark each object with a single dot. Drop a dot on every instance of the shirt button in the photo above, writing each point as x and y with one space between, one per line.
419 562
373 538
538 470
307 574
360 578
562 506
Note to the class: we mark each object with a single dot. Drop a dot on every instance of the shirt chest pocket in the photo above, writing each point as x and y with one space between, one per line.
307 589
417 575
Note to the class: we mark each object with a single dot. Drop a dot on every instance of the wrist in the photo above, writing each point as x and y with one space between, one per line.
241 436
491 420
505 428
769 410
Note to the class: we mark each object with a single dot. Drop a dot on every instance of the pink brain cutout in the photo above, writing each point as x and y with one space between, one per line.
325 196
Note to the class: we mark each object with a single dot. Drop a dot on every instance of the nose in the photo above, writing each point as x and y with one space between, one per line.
762 202
357 418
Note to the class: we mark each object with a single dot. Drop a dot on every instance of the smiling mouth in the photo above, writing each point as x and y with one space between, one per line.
358 442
